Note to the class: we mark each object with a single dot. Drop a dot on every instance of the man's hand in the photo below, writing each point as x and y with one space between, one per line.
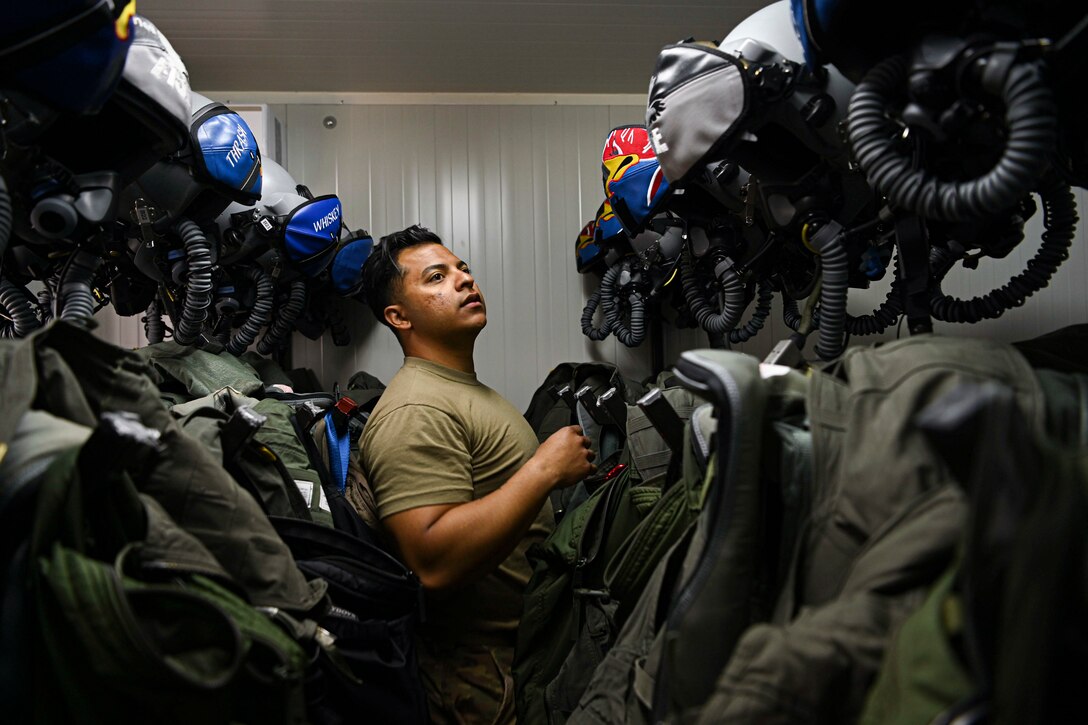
565 458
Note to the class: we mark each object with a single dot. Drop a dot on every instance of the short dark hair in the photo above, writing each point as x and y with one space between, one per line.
381 273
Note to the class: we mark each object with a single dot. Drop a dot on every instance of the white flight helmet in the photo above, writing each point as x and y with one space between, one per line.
750 100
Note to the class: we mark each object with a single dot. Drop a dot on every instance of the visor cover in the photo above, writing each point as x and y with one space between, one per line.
229 152
637 193
311 234
633 181
698 102
624 147
346 270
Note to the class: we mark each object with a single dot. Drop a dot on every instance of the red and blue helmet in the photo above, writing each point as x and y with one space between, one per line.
634 184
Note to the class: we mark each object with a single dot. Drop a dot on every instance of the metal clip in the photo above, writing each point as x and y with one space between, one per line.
611 403
588 400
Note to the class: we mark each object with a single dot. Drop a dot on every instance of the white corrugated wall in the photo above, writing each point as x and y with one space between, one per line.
508 187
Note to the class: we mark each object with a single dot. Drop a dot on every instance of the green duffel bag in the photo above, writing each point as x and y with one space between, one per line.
268 462
194 372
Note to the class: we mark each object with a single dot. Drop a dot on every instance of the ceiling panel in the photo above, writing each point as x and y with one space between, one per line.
508 46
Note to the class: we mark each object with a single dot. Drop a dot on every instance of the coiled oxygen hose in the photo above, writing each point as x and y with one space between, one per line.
733 304
880 319
884 316
16 303
764 299
834 283
597 333
154 329
631 334
1031 121
259 316
75 297
198 286
1060 223
7 217
284 321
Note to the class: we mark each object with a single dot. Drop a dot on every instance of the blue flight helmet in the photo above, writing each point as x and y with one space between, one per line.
311 233
145 119
220 164
69 54
854 35
140 116
305 232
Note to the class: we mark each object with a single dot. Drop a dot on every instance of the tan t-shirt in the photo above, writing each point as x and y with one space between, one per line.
440 436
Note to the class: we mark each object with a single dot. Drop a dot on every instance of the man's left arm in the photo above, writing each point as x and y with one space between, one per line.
451 545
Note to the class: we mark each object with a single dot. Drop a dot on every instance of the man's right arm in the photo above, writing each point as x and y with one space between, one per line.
450 545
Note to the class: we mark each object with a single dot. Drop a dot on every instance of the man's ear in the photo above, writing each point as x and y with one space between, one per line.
395 316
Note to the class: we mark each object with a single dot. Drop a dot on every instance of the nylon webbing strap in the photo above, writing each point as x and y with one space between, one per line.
339 451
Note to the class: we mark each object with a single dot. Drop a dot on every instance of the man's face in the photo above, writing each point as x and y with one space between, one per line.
438 293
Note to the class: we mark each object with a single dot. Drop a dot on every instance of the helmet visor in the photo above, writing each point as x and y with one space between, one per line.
311 233
697 104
